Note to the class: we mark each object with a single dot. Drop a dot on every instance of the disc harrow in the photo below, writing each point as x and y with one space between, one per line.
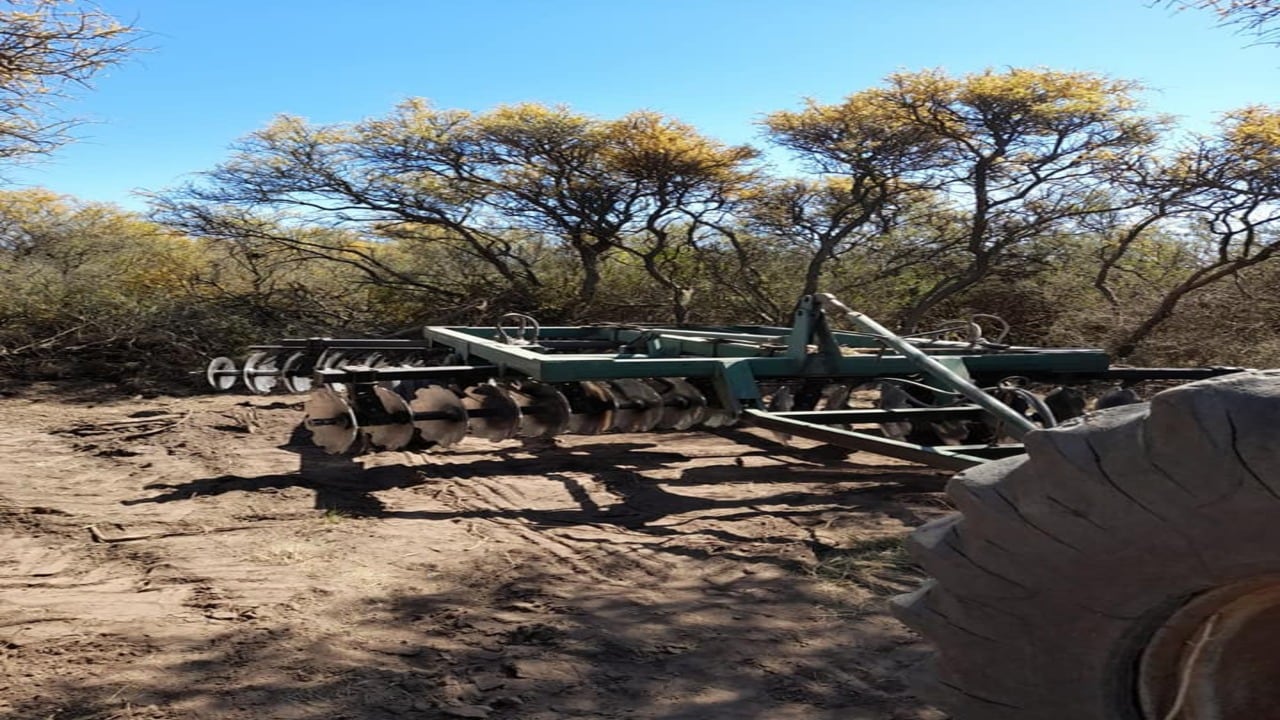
928 398
372 416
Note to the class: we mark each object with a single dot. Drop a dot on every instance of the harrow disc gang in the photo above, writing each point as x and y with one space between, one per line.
353 417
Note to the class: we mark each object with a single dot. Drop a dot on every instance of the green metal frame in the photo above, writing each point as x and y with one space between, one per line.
734 361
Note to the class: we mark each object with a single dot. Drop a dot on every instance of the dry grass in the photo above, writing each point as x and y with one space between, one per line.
881 566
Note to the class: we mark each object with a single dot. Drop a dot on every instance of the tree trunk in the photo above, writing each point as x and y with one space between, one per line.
910 319
1163 312
813 273
589 287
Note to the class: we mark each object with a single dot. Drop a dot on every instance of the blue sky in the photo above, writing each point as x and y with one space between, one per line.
219 69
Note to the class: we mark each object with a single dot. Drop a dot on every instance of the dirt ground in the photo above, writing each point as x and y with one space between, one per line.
196 557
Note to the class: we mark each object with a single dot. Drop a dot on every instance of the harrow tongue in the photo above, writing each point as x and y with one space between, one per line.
920 398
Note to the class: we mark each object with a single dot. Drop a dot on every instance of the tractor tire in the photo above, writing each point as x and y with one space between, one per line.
1126 568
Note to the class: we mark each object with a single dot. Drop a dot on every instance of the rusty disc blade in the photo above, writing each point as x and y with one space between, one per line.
717 417
835 397
491 412
782 400
544 410
640 408
447 424
331 421
396 434
683 405
592 406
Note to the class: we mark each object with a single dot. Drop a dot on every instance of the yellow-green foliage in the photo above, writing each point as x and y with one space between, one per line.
1044 196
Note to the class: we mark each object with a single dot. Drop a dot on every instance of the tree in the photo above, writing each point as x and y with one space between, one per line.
1256 17
475 184
860 156
826 218
1227 187
47 48
1017 154
78 279
689 186
387 183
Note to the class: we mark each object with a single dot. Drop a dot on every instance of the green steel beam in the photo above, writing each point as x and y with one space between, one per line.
853 440
883 415
571 367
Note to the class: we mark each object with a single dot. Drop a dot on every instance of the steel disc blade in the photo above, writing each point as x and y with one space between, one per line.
261 372
449 422
295 372
333 360
491 413
592 406
331 421
893 397
393 435
783 400
718 418
835 397
221 373
544 411
683 405
641 406
384 360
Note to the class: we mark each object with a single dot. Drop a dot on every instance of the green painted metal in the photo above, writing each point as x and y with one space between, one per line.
1018 424
738 366
936 456
735 360
764 363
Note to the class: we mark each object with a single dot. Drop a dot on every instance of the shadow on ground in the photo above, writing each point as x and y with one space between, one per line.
534 646
345 486
712 615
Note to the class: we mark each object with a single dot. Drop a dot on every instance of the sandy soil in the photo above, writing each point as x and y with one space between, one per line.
197 558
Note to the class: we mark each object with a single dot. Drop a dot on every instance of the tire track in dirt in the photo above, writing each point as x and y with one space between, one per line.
54 579
489 497
608 577
604 560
